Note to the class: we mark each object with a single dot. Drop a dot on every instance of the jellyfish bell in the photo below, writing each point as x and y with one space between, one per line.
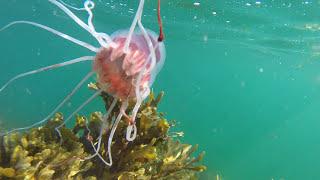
118 70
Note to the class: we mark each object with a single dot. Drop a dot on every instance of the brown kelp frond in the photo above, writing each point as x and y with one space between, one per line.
38 154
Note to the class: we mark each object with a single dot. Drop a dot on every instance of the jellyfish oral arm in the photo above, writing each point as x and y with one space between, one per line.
66 63
76 88
65 36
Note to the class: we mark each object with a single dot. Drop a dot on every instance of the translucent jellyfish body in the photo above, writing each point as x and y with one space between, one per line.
118 71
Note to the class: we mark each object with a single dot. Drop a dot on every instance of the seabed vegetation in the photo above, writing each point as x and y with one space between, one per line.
40 153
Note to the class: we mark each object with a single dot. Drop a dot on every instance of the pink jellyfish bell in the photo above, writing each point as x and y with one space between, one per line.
118 71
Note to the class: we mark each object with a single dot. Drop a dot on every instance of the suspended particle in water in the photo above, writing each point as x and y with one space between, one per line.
196 3
261 70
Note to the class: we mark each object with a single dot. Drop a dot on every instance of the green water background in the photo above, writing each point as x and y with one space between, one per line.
241 78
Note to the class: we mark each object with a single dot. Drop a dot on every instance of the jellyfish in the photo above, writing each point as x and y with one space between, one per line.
126 66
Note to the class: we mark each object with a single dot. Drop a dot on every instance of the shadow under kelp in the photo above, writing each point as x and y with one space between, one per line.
39 153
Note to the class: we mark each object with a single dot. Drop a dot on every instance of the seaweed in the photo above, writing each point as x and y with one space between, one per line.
40 153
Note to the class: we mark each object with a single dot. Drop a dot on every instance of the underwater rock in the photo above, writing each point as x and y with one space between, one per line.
40 153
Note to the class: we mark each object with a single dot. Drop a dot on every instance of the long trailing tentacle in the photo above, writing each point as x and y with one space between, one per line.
151 57
63 35
113 130
102 128
133 26
76 111
114 127
132 129
76 88
71 15
149 43
96 150
66 63
152 49
102 38
88 6
140 96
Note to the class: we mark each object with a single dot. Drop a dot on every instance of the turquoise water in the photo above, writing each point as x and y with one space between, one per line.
241 78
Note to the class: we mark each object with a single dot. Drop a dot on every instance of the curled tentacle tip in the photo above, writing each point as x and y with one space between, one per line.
89 4
131 132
